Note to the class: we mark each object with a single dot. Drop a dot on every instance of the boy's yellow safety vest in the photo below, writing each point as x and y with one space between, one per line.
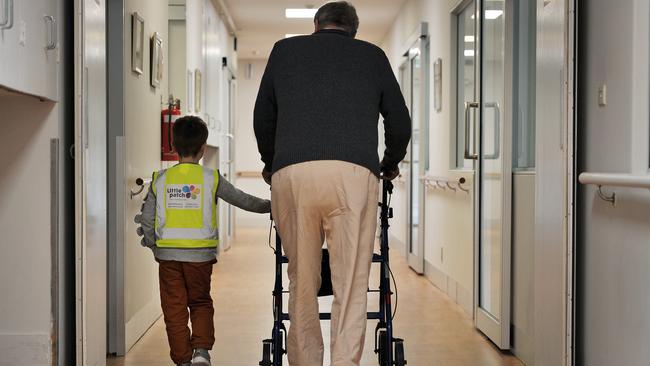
186 215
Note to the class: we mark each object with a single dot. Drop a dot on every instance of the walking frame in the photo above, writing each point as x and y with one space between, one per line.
390 350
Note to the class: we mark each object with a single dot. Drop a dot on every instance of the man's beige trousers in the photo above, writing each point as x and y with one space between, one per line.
334 201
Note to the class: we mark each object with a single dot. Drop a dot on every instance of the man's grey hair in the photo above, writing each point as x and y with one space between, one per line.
339 14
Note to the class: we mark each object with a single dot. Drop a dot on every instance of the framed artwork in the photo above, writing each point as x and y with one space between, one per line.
137 43
157 60
437 85
197 90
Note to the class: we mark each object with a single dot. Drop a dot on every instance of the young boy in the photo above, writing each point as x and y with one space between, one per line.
178 222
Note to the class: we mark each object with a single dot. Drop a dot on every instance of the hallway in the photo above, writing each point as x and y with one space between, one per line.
436 331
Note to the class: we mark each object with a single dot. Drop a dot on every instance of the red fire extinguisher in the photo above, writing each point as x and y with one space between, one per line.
168 117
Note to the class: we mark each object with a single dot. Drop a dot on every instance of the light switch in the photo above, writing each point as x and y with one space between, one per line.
602 95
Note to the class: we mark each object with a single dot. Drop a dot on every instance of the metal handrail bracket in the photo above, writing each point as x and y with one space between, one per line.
614 180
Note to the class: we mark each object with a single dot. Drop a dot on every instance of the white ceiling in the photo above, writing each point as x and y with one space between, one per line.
260 23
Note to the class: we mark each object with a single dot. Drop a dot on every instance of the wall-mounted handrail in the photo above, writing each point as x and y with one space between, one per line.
444 183
614 180
141 183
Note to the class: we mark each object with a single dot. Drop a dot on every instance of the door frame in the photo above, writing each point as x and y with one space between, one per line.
90 216
497 330
420 42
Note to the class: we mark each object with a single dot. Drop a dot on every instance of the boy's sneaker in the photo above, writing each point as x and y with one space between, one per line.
201 357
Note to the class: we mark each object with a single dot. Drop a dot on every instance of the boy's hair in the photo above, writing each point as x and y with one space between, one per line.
190 133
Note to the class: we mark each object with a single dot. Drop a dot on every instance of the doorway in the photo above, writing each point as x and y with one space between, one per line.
483 143
414 80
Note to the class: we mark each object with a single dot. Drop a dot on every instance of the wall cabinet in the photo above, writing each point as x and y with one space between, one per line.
29 47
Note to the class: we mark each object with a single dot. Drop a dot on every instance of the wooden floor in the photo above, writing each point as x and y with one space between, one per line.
436 331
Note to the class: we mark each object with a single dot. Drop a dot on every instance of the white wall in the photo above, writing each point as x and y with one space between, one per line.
247 157
449 215
25 321
142 157
614 244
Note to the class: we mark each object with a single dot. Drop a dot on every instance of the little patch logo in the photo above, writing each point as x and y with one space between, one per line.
183 196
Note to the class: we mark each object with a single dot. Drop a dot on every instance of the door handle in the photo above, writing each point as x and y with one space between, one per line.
468 153
8 21
53 37
497 130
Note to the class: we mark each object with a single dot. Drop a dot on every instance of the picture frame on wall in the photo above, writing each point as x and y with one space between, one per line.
157 60
437 85
137 43
197 90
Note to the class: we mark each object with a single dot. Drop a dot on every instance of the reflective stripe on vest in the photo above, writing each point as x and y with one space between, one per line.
186 215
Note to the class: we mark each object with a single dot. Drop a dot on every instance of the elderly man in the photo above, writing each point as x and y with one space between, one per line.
316 124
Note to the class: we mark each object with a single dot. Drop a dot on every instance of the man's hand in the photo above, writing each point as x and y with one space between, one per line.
389 174
267 176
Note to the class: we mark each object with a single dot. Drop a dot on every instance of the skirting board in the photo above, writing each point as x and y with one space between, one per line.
438 278
25 349
449 286
142 321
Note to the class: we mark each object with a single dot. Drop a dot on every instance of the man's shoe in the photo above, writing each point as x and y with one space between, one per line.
201 358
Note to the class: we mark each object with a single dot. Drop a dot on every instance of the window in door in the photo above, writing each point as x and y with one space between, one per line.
523 95
466 91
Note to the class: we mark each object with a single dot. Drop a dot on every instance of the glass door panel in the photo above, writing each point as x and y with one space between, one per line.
466 78
494 173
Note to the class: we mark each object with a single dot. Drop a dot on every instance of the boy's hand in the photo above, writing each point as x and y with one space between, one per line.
267 176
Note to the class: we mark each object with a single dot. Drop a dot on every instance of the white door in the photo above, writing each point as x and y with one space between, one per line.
90 181
414 80
494 171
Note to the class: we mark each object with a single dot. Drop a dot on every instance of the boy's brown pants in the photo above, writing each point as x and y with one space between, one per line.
186 285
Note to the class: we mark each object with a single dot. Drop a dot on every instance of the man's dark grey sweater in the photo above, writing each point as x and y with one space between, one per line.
320 99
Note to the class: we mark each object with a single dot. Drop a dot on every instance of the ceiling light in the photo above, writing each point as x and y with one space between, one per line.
469 39
289 35
302 13
493 14
469 53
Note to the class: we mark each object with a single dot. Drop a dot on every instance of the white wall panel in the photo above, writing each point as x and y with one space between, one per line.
247 157
449 215
613 246
25 321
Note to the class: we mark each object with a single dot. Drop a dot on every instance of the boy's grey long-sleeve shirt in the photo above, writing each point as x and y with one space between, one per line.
225 191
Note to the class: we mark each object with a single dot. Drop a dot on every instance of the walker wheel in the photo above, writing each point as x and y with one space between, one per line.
399 353
266 353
